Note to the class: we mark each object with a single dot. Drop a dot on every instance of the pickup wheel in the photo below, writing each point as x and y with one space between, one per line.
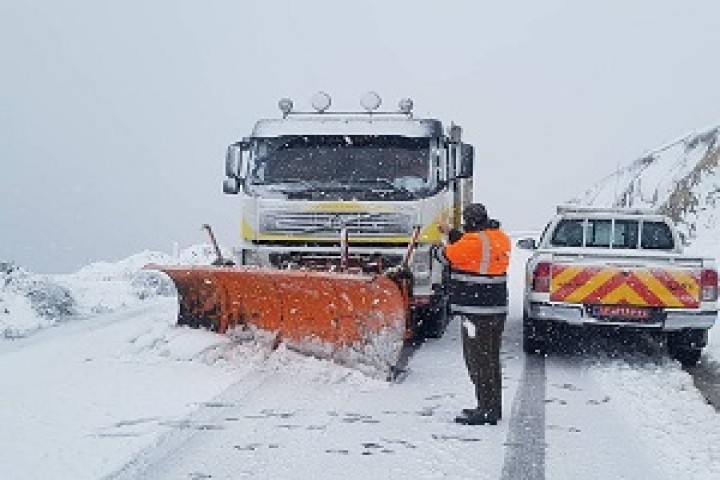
686 346
688 357
534 336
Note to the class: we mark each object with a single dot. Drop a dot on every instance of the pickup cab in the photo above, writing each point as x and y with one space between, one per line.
621 268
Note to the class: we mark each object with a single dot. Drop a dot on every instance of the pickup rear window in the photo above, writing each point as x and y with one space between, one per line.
613 233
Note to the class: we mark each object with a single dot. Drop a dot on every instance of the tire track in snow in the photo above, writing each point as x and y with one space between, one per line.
525 444
706 378
150 462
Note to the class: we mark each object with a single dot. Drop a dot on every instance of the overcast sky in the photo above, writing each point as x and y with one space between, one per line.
115 116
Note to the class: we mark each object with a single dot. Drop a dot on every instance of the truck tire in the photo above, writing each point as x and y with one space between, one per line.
534 336
433 320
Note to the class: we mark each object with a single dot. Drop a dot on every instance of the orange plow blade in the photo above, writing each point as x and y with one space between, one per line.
356 320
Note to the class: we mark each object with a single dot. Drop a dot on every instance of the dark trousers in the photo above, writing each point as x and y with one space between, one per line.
482 357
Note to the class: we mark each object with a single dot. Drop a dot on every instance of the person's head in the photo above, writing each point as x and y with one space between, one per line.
475 217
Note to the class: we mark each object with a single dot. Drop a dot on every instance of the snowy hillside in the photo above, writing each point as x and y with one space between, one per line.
680 179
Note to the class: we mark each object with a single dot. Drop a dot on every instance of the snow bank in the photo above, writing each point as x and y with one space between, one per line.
694 432
30 301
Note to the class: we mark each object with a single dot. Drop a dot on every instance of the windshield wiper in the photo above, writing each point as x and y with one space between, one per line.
384 182
285 181
372 181
381 185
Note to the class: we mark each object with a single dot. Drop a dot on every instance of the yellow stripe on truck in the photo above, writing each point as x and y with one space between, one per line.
586 288
688 283
622 295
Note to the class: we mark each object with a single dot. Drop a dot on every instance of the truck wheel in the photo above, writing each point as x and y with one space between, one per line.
534 336
433 320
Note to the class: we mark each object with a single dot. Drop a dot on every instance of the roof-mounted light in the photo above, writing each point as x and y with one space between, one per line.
286 106
589 209
321 101
371 101
406 106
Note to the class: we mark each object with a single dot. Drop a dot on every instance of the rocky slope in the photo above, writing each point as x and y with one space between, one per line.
680 179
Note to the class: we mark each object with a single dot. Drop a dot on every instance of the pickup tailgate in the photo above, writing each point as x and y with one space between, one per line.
597 284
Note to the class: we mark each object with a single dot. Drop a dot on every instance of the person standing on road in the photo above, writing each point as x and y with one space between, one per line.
478 260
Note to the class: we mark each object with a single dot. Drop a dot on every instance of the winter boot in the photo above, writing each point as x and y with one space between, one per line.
476 417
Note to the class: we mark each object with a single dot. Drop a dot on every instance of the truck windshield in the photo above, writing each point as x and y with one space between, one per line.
398 167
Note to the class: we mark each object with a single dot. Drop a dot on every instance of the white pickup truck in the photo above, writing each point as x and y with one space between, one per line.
622 268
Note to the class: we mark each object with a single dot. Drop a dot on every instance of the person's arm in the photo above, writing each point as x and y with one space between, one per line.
437 250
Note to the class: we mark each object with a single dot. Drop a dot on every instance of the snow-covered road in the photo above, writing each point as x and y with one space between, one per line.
634 417
128 395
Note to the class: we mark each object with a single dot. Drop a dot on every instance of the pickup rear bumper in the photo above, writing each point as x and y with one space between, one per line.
579 315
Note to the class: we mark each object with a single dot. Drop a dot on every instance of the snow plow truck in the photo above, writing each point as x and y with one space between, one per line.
337 215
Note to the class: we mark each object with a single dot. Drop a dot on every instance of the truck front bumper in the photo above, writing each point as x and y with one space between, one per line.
579 315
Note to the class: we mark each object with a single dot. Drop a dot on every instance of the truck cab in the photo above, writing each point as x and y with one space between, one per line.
345 190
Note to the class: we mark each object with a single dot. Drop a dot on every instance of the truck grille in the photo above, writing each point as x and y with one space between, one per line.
324 224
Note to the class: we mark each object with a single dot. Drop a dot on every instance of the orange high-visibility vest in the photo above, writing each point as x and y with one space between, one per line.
486 252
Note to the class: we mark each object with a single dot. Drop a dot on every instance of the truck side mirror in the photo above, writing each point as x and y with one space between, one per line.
235 160
467 161
527 243
231 186
455 133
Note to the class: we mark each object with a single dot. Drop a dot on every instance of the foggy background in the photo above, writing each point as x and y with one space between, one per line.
115 116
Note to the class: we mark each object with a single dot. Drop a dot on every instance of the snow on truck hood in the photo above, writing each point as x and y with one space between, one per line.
348 125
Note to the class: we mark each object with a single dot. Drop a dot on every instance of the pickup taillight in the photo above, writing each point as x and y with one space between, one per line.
709 286
541 277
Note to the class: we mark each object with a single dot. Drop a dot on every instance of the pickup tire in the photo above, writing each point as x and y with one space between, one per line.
534 336
686 346
688 357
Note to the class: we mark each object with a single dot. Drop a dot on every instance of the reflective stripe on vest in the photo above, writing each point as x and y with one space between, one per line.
484 253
